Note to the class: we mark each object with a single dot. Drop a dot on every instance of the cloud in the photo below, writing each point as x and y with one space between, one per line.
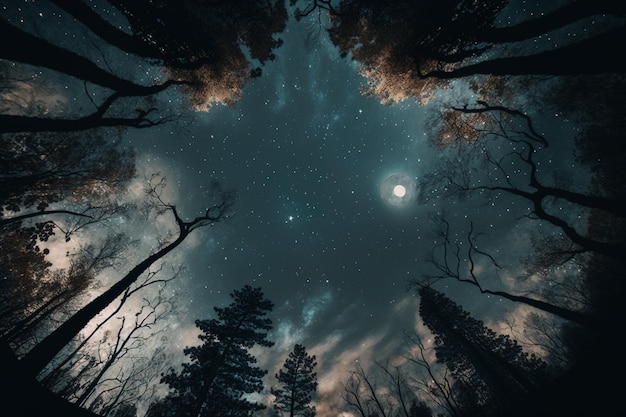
287 335
314 306
342 350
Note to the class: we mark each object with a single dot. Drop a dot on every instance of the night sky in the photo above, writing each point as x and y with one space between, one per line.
316 223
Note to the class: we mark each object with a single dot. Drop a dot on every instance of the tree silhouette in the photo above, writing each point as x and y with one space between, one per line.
175 48
32 100
49 184
36 297
360 393
298 380
601 126
385 391
38 52
42 168
435 383
42 53
38 103
128 338
213 29
476 355
26 292
313 5
206 48
409 49
38 357
66 369
220 31
460 260
516 173
221 372
446 125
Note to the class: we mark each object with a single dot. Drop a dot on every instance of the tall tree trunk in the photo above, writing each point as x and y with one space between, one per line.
556 19
10 123
38 357
19 218
596 55
26 48
615 207
126 42
105 367
109 33
564 313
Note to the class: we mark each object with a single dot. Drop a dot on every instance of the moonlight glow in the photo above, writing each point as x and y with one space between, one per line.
397 190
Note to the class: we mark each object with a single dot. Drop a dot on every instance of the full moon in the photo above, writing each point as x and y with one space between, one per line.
398 190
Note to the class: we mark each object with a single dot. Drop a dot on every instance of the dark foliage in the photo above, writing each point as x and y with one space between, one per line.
490 369
221 370
298 381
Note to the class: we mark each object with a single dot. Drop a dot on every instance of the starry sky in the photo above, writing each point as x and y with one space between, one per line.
316 224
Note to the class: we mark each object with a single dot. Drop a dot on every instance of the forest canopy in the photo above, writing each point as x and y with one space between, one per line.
428 195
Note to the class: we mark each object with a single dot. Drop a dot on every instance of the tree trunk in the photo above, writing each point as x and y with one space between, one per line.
14 123
556 19
573 316
596 55
109 33
125 41
38 357
26 48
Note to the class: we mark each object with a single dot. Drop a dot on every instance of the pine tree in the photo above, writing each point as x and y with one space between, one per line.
494 367
221 372
298 381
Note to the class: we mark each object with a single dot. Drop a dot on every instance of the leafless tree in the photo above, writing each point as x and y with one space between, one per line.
136 382
127 341
458 260
384 391
436 383
218 208
516 172
76 356
361 394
